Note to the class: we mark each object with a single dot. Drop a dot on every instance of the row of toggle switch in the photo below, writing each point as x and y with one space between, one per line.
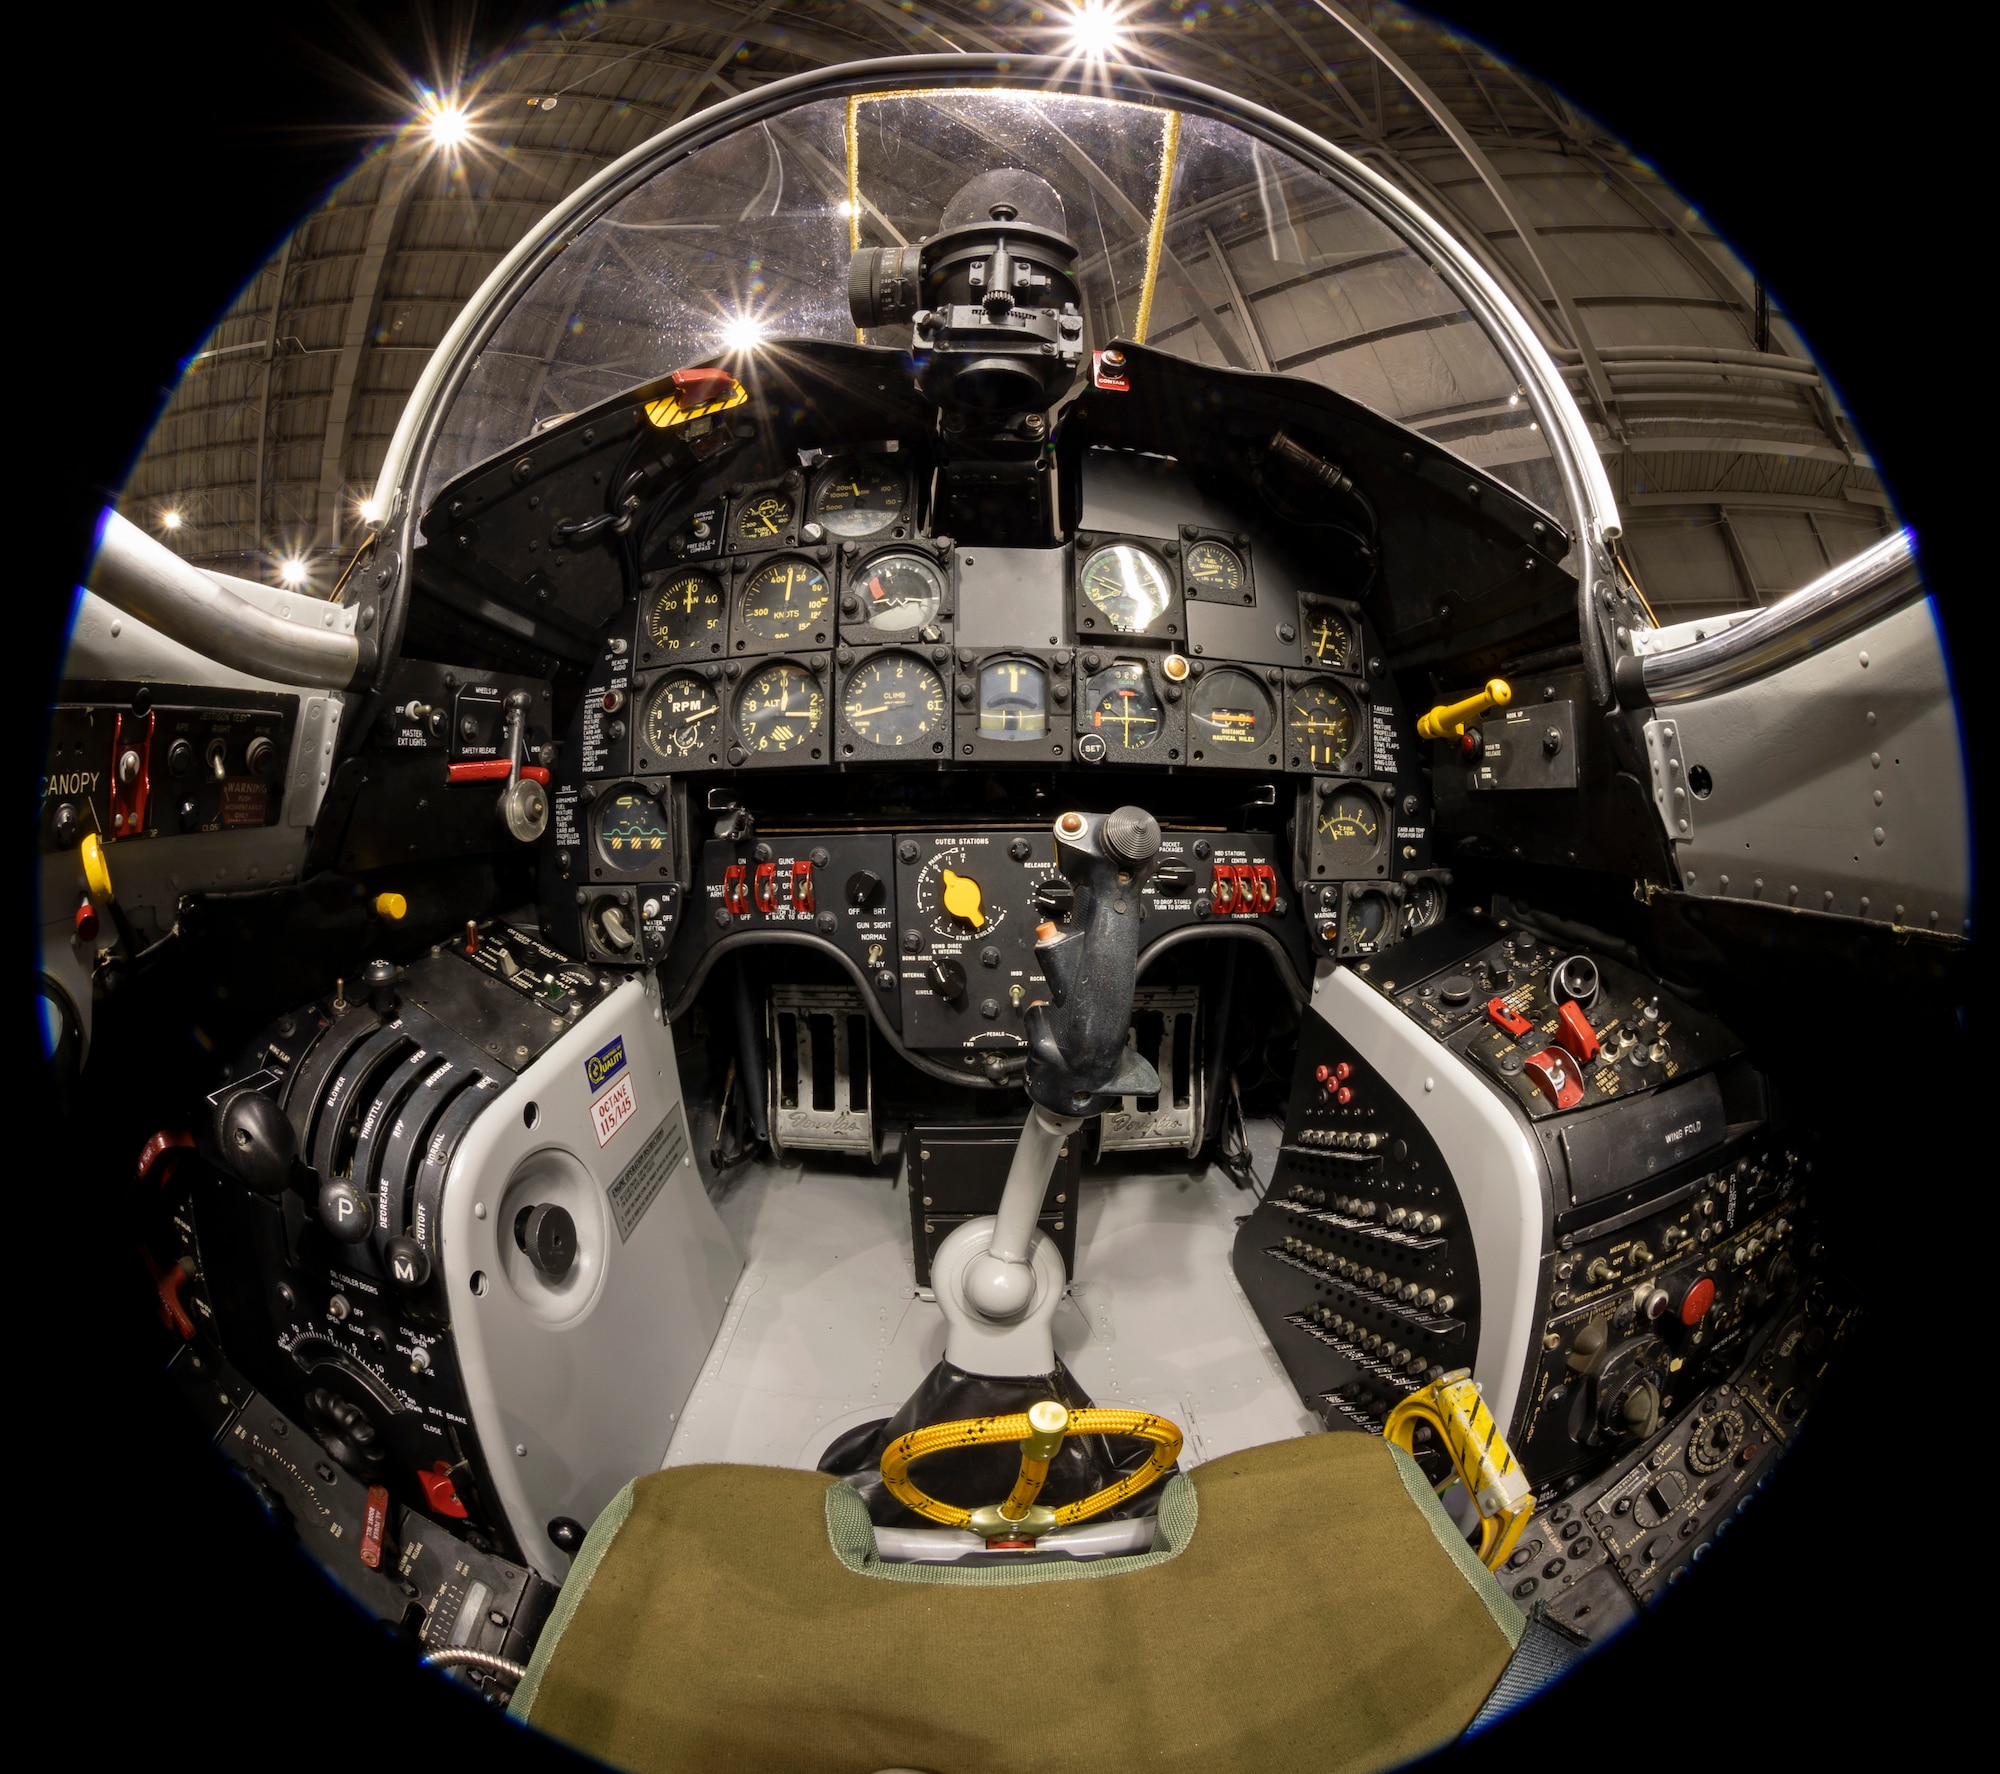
1367 1348
1404 1219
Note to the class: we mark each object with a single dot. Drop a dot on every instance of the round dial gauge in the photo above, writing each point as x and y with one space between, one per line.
1367 920
1348 830
1120 704
763 517
683 720
1013 700
784 601
1131 586
854 501
685 615
897 593
1321 722
1423 908
1231 711
1215 568
780 709
1329 637
632 832
894 701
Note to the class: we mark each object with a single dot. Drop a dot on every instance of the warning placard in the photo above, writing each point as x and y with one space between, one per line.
613 1109
641 1181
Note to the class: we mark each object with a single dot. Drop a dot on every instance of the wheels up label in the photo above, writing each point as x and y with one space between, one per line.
605 1064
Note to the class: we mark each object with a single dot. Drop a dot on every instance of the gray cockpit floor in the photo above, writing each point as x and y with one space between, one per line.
826 1329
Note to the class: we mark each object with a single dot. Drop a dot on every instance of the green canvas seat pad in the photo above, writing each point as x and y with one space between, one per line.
1306 1605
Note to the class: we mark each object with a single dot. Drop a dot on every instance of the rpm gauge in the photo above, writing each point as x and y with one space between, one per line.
1129 586
1214 569
1321 723
1329 636
785 601
685 615
1230 712
1013 700
1347 832
1119 703
852 501
683 720
779 711
632 832
763 517
894 702
894 593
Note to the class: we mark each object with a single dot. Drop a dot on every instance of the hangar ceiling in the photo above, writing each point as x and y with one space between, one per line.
1739 475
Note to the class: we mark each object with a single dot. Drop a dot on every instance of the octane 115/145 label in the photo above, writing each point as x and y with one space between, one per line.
613 1109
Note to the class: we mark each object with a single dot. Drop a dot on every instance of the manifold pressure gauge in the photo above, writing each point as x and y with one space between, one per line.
683 721
685 615
783 603
763 517
1129 586
851 500
892 702
1013 700
780 710
1322 724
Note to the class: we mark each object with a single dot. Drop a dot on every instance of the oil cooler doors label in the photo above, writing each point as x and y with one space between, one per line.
641 1181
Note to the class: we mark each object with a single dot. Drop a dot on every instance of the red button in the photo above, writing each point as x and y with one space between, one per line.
1324 1073
1343 1071
1697 1300
1343 1096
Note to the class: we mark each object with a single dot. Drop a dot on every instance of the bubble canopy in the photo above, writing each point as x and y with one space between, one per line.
1204 226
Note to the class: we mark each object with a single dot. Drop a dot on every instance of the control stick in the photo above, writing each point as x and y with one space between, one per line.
997 1282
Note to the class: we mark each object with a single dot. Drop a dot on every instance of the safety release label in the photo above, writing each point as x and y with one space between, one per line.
612 1110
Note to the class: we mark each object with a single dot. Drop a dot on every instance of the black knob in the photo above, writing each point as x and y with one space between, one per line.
345 1432
948 976
409 1263
344 1211
1575 979
67 826
1131 835
548 1235
180 757
260 755
864 888
380 977
566 1535
256 1141
1055 896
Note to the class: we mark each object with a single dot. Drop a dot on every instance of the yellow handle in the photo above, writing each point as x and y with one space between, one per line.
1456 1412
1449 718
392 906
973 1432
961 899
96 871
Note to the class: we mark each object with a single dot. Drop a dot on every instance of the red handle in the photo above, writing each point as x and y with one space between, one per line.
493 770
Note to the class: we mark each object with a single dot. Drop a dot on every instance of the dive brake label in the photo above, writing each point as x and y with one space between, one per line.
612 1110
605 1064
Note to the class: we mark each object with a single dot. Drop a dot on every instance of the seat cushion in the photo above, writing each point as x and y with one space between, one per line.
1307 1605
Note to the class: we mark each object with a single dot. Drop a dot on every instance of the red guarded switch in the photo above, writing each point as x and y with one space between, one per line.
440 1492
1553 1073
764 887
702 387
1501 1017
1223 891
802 887
736 889
1573 1030
1263 887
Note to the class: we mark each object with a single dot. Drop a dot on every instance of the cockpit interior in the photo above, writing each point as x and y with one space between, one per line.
958 975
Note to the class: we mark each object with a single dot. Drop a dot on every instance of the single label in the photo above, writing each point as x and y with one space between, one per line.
605 1064
613 1109
640 1182
244 800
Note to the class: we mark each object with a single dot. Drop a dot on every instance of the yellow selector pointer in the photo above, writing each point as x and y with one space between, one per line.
1449 718
961 899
